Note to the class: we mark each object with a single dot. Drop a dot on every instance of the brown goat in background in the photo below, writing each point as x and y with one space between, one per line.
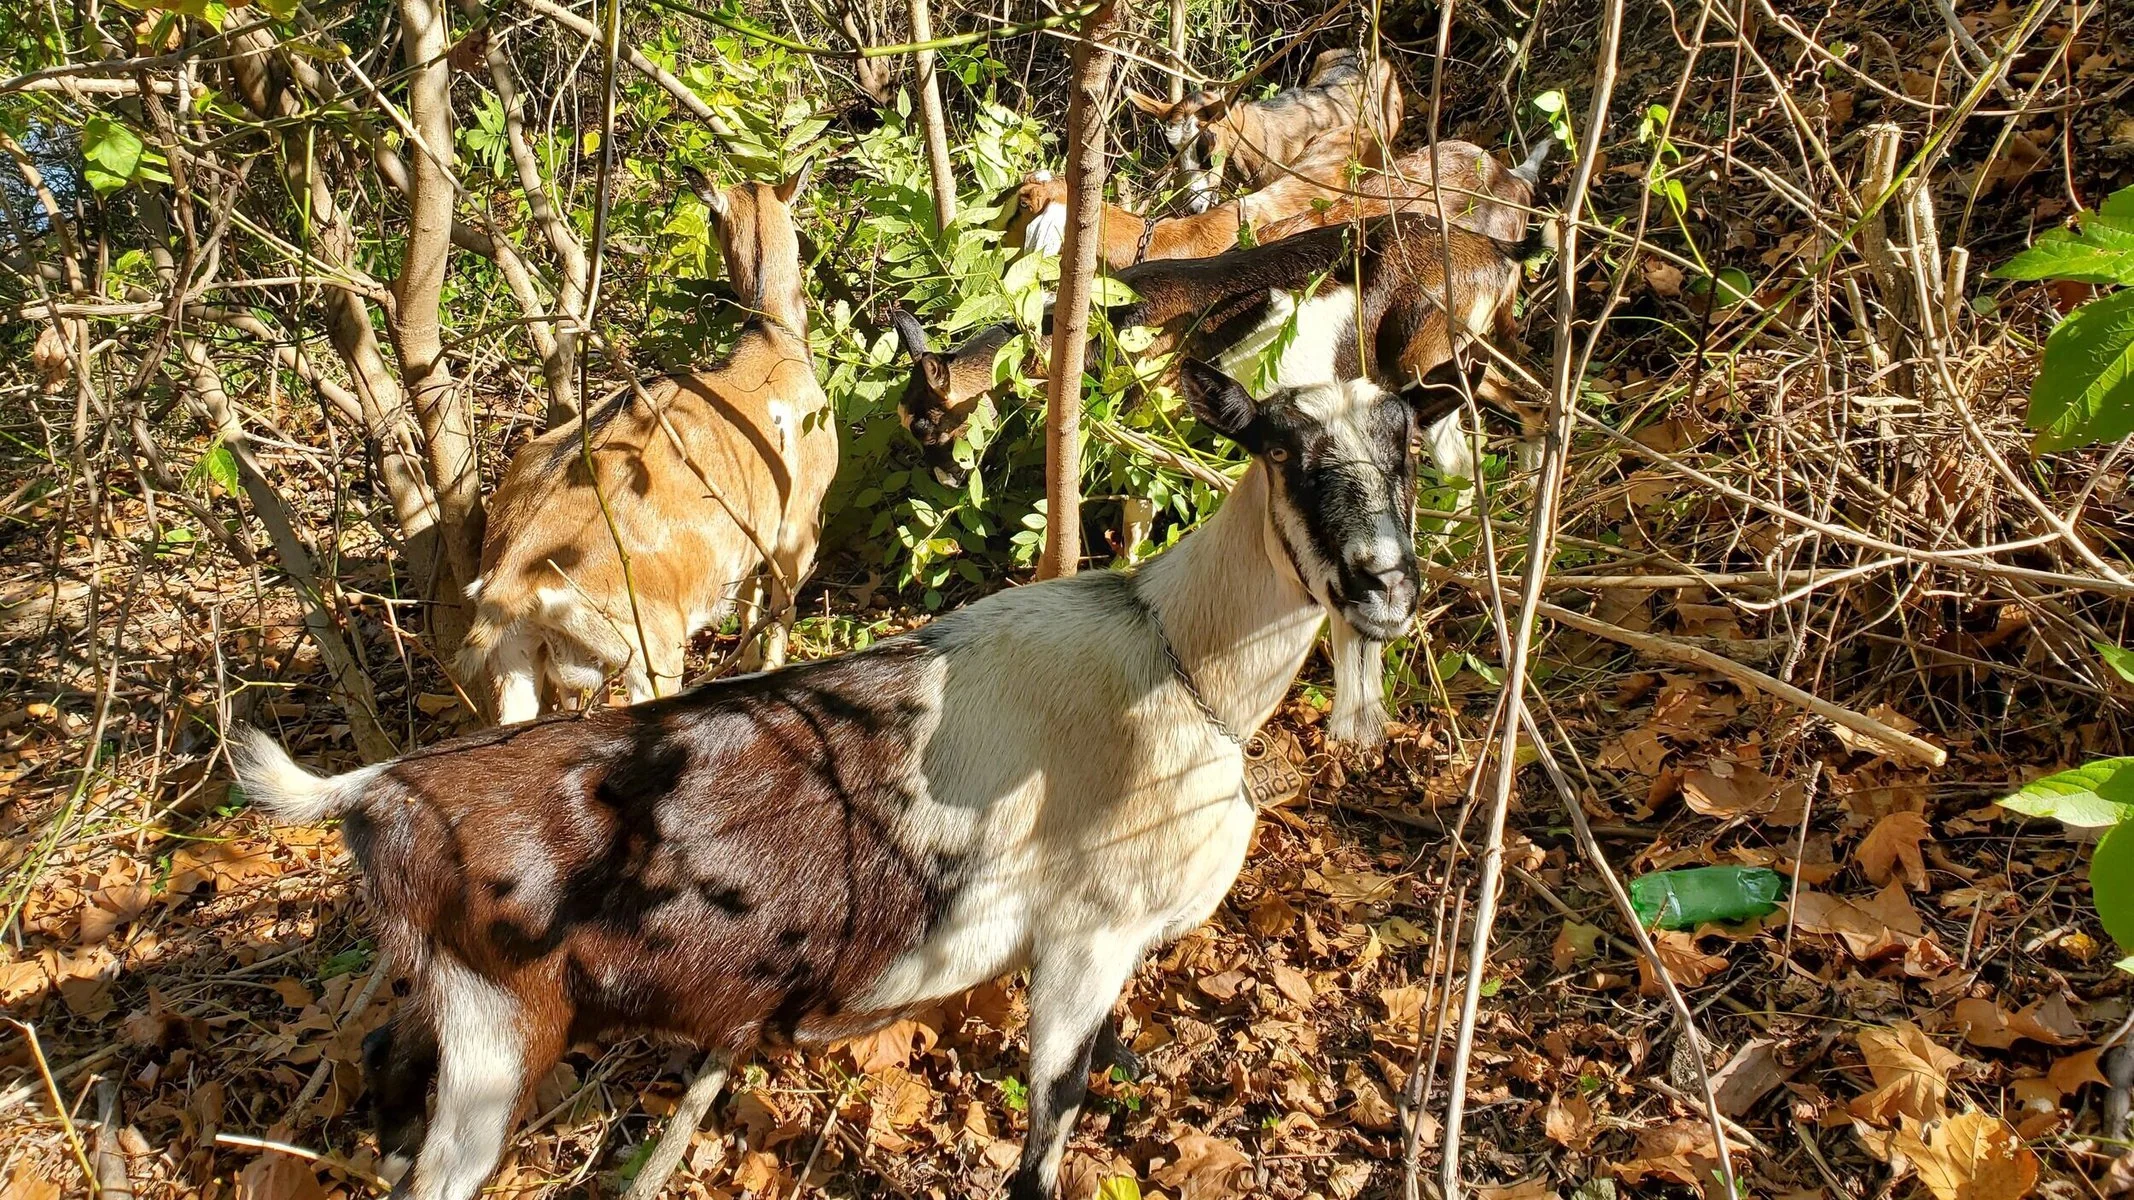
1345 109
701 480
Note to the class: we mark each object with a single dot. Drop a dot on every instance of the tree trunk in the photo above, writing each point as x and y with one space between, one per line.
558 344
1178 50
873 75
348 319
350 685
931 122
441 405
1086 120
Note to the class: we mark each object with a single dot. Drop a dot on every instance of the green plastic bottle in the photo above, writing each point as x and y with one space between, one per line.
1686 899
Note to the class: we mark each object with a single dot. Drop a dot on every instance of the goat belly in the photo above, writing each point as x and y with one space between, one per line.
723 865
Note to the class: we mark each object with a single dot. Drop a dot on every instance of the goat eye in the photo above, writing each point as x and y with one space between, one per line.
1277 454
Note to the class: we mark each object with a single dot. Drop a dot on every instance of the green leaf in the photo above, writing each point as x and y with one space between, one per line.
1549 102
221 466
2091 796
2119 658
2112 883
2104 253
2085 389
113 153
2126 964
1728 286
1110 293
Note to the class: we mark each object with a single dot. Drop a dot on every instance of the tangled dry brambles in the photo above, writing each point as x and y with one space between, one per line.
1798 469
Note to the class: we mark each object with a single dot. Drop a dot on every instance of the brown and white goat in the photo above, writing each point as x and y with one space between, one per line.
1038 221
1476 192
706 478
1345 109
1051 778
1337 302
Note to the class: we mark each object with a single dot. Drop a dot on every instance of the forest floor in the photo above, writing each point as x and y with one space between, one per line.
200 982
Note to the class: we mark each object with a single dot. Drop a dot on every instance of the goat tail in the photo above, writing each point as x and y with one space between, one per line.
1530 170
272 779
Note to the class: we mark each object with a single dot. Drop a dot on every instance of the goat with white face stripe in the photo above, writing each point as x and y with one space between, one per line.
1052 778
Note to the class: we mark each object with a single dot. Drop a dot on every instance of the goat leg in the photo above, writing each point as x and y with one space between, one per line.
1113 1052
1072 989
681 1127
399 1064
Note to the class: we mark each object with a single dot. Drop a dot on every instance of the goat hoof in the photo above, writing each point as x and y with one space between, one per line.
1125 1062
1112 1053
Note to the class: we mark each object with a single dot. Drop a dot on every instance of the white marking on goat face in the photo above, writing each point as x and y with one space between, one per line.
1344 482
1047 231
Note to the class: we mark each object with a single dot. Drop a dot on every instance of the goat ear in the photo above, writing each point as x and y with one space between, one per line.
911 333
1441 391
1214 110
1221 403
1148 104
795 183
936 372
707 191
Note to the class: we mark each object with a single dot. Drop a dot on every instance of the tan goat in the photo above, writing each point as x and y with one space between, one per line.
1477 191
1039 219
1346 108
702 480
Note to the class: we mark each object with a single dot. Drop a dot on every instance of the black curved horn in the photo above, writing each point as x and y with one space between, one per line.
909 332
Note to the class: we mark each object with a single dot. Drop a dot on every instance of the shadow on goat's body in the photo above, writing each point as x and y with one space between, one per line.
1051 778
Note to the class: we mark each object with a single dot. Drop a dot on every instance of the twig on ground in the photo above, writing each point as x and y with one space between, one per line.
59 1103
1598 859
681 1128
319 1156
1748 677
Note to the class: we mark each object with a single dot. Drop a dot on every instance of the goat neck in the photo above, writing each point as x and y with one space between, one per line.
762 252
1231 603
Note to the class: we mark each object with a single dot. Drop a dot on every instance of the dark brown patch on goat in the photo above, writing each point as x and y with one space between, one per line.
639 860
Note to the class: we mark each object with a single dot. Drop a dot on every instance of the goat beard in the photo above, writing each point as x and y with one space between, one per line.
1359 716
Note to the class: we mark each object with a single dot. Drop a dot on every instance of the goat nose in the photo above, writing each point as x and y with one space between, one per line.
1379 557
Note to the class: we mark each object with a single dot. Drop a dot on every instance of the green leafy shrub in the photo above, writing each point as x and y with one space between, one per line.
2096 795
2085 388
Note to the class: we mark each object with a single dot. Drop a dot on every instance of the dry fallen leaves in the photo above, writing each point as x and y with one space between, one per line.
889 1046
1205 1168
1681 1151
1751 1074
1568 1121
1869 928
1891 850
1985 1023
900 1099
1685 961
1575 942
278 1177
1972 1156
1726 789
1910 1072
22 1185
1525 1189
